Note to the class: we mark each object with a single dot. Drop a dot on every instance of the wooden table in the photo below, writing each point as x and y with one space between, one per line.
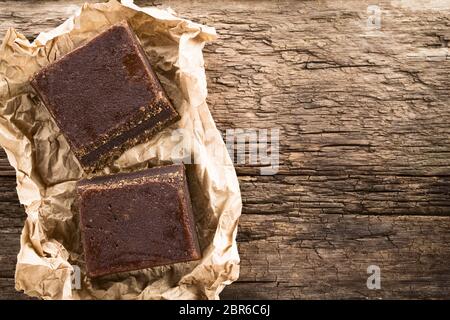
364 119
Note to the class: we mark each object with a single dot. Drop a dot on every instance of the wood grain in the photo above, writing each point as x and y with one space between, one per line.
364 151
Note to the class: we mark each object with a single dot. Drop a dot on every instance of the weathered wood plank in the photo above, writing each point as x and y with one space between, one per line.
12 217
351 194
347 100
327 255
8 292
288 254
363 116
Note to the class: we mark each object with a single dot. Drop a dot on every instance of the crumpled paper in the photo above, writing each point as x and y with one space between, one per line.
51 255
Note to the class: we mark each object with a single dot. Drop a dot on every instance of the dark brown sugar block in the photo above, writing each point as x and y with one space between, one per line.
137 220
104 96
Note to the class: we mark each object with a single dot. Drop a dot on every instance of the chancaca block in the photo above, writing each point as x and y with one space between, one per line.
105 97
137 220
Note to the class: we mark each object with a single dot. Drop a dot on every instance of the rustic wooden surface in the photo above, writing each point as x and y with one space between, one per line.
365 142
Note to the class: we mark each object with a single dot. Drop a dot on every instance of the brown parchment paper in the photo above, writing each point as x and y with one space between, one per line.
47 170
